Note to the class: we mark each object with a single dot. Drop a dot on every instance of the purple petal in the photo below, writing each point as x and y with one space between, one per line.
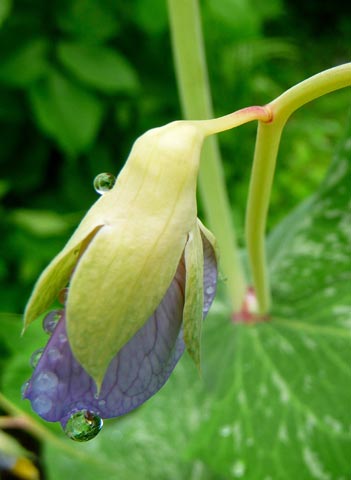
210 274
59 386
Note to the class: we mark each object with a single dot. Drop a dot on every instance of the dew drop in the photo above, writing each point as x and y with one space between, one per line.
51 320
62 338
35 357
54 354
42 404
210 290
24 388
45 382
104 182
83 426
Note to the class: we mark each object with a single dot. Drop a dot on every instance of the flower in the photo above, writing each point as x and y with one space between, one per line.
142 275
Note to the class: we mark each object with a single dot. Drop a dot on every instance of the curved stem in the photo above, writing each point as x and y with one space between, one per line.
267 144
235 119
192 79
266 150
310 89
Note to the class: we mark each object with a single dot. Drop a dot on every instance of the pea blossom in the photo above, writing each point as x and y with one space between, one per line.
141 271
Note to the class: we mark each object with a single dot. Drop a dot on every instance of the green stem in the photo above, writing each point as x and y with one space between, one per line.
267 144
193 84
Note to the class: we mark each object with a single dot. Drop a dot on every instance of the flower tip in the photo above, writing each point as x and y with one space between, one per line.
197 362
98 384
28 318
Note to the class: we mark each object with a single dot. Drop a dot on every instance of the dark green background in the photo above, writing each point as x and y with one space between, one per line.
80 80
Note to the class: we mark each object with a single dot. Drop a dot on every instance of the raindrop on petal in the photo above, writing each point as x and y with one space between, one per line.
51 320
54 354
210 290
42 404
24 388
83 426
104 182
35 357
45 382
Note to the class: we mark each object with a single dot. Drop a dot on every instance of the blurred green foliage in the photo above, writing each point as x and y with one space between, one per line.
81 79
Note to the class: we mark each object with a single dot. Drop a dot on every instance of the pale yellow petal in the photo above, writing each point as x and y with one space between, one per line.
55 277
124 273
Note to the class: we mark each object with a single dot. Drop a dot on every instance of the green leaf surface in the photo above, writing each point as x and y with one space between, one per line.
25 65
5 9
42 223
151 20
90 20
283 408
98 66
66 112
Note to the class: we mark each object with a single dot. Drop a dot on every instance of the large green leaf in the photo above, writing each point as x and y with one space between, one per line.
68 113
5 9
283 387
88 19
26 64
98 66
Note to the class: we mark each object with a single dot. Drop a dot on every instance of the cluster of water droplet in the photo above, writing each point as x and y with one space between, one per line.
82 425
104 182
49 324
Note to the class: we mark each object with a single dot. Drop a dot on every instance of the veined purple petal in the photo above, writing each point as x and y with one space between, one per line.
210 274
59 386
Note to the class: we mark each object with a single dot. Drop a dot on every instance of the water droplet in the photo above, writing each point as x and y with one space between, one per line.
42 404
51 320
62 296
54 354
24 388
83 426
225 431
104 182
45 382
35 357
210 290
62 338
